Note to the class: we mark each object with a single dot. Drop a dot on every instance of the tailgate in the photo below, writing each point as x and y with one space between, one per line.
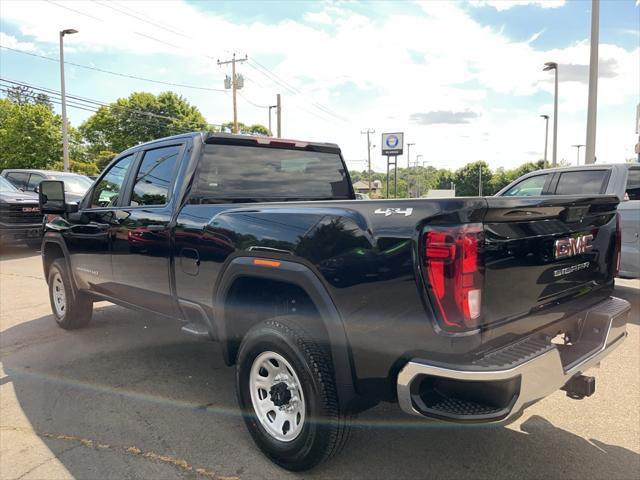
545 250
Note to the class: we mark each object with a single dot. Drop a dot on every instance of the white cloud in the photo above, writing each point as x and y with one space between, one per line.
12 42
363 69
501 5
318 17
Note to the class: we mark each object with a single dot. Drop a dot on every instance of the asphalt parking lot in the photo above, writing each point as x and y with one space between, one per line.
131 397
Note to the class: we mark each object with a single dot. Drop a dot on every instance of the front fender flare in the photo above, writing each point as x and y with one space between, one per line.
56 238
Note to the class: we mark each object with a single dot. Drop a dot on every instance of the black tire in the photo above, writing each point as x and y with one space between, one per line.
77 309
325 429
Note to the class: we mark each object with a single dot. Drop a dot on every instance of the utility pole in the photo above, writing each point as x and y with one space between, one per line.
480 180
546 137
63 95
270 107
592 107
368 132
418 157
234 84
279 114
578 147
409 167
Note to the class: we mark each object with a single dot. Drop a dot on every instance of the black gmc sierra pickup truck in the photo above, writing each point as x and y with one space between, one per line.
462 310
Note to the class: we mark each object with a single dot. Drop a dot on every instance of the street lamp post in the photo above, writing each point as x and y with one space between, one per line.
65 137
578 147
546 137
409 145
554 66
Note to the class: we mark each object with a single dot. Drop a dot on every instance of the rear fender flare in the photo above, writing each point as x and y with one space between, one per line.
303 277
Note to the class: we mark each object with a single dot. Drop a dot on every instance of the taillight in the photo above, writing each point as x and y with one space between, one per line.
618 255
455 273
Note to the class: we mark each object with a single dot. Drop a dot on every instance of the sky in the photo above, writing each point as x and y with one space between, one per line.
462 80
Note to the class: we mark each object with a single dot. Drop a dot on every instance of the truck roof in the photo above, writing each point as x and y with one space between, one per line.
248 140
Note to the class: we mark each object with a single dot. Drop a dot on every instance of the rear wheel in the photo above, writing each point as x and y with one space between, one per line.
286 389
70 311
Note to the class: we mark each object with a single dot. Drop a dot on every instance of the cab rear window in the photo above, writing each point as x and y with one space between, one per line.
238 173
588 182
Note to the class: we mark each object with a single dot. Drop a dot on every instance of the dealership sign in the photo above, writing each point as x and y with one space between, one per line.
392 144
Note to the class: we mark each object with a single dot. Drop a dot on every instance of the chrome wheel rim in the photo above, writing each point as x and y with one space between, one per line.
277 397
59 296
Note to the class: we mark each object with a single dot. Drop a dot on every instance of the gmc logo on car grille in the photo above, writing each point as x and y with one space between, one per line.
569 247
30 209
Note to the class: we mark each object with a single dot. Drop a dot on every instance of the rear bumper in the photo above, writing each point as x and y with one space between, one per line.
504 382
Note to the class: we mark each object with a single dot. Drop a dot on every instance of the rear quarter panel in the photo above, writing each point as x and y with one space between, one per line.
364 254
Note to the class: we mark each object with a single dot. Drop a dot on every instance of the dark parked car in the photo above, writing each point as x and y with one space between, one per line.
463 310
20 217
621 180
75 185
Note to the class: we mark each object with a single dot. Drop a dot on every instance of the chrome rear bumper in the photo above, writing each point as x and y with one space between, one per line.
534 370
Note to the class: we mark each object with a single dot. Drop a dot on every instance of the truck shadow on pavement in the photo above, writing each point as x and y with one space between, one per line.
15 252
631 295
130 388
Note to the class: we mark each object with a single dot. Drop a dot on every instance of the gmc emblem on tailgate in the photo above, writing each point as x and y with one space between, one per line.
569 247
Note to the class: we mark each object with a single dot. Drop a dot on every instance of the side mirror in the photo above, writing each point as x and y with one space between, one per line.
51 196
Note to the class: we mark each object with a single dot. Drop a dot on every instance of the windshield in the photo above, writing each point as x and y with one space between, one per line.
73 183
6 186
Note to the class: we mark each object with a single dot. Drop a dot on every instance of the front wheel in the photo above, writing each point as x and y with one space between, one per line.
70 311
287 392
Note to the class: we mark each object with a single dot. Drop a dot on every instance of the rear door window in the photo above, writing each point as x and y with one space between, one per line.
155 176
19 179
582 182
633 184
529 187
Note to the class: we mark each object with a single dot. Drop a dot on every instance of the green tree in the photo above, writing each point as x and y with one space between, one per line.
255 129
30 135
103 158
467 178
140 118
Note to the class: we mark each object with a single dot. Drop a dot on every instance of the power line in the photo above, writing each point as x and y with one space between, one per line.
81 104
166 29
272 78
159 22
258 66
5 89
252 102
171 129
139 17
103 20
292 89
74 10
252 63
118 74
